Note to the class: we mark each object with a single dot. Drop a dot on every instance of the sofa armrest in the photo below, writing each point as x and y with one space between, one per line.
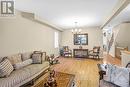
128 66
129 78
90 51
101 72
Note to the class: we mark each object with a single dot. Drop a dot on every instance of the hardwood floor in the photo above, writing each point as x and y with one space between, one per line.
109 59
85 70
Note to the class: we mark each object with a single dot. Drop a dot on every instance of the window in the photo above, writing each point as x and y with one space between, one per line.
56 40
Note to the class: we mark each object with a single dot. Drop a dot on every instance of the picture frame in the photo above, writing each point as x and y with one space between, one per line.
81 39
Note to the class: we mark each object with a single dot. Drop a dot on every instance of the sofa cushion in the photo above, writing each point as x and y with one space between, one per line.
37 58
35 68
15 59
15 77
5 68
22 64
104 83
26 56
20 75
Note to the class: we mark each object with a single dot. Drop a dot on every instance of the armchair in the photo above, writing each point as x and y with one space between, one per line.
95 52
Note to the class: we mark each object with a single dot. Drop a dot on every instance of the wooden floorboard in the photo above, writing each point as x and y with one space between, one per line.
85 70
109 59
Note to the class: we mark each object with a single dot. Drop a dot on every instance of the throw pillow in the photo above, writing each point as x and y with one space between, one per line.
121 76
5 68
26 56
37 58
22 64
43 54
15 59
95 50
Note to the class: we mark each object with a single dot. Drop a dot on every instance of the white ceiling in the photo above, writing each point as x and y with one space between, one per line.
63 13
124 16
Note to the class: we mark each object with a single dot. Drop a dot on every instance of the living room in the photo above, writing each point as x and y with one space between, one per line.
31 29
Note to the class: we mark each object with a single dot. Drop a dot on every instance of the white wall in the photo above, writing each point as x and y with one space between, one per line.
18 34
94 38
123 37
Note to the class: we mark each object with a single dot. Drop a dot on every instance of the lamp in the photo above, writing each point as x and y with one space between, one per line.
76 30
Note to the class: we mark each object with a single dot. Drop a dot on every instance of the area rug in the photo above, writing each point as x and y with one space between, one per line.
62 79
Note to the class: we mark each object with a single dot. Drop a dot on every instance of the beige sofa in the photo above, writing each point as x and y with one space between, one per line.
23 75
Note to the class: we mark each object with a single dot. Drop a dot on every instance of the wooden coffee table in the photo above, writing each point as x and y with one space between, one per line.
62 79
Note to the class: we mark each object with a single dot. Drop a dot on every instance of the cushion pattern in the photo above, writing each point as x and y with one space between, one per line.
95 50
37 58
22 64
43 54
26 56
5 68
117 75
15 59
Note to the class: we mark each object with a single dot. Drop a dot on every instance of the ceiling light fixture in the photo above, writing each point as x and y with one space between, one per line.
76 30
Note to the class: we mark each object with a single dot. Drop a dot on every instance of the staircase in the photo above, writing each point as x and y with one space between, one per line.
119 38
111 42
112 39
